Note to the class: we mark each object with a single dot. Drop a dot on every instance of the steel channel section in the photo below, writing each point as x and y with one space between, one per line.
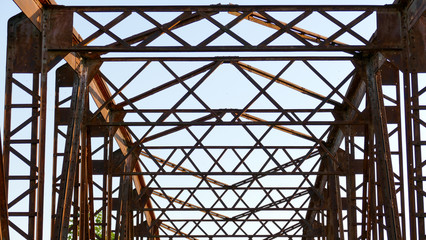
143 224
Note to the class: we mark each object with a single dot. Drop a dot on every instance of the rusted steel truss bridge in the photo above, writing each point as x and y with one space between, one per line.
214 122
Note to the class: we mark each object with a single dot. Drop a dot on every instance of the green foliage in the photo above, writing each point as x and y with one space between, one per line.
98 228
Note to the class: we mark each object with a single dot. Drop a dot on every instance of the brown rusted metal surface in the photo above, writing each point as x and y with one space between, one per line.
21 31
385 172
156 153
418 46
388 29
29 43
4 214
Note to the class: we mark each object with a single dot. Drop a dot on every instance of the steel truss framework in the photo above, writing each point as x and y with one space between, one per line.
261 145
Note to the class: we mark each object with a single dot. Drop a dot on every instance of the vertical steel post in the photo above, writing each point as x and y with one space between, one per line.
413 58
109 184
333 214
82 185
23 56
64 203
384 170
90 198
350 185
4 215
418 161
408 124
42 128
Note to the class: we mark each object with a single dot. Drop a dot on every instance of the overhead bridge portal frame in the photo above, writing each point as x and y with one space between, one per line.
215 122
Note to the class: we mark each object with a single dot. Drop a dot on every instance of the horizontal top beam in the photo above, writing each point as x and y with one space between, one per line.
230 8
101 49
148 40
228 58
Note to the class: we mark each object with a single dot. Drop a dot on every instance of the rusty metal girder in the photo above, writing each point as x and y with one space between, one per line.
127 44
385 171
418 46
21 29
4 214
